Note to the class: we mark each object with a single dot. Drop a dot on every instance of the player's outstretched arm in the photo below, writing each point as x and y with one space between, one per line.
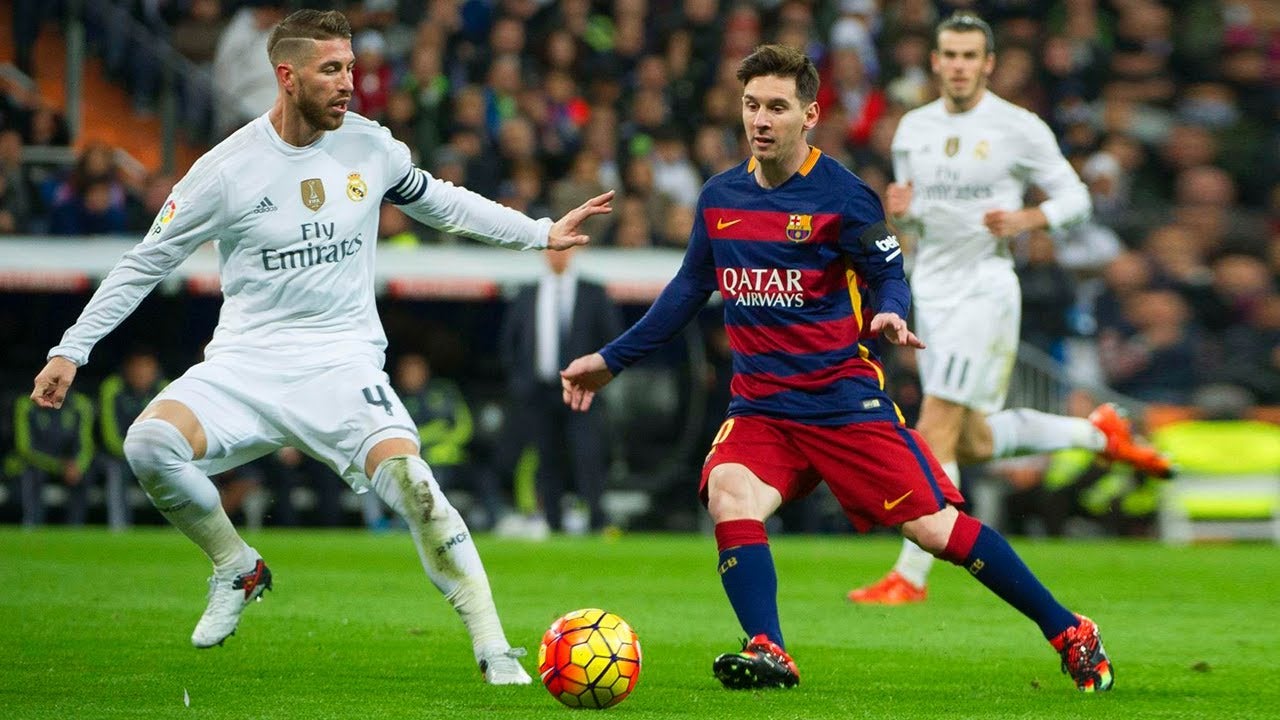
564 232
894 329
53 382
583 378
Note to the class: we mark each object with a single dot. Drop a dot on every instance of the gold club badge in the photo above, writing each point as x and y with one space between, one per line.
953 146
982 150
799 227
312 193
356 189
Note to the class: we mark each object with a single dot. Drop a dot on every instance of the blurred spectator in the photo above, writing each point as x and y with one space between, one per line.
372 76
1047 294
1180 260
15 194
714 150
845 83
631 227
155 191
92 200
517 145
195 37
1251 352
396 229
121 398
428 87
582 184
1159 360
52 446
673 174
244 86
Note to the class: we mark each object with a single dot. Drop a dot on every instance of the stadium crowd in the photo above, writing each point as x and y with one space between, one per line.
1170 112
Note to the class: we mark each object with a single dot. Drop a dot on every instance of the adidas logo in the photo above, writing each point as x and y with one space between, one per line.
265 206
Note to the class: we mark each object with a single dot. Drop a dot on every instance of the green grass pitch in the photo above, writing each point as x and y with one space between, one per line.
96 625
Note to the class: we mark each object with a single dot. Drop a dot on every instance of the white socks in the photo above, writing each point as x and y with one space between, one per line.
444 543
161 459
913 563
1023 431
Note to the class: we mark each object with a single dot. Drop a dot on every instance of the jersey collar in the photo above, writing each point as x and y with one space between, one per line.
805 168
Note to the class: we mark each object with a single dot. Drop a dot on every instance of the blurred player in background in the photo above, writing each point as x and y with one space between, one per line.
962 166
785 237
291 201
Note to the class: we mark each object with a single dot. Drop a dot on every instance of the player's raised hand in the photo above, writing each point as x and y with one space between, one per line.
564 233
897 199
53 382
895 330
583 378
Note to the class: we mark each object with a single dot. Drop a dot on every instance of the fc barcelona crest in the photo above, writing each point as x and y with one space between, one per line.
799 227
313 193
953 146
356 189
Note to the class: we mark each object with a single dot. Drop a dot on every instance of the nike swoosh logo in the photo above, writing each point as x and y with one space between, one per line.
721 224
891 505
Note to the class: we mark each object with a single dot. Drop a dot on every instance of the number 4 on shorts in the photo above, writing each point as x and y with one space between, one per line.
380 399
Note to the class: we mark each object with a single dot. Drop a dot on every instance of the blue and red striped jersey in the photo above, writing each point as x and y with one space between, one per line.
796 265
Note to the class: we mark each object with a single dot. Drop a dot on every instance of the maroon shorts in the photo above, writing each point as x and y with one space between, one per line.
881 472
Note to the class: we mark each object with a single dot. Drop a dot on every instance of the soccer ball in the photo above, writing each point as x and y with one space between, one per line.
589 659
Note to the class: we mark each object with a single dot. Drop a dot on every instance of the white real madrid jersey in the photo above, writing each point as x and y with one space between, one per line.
961 166
295 230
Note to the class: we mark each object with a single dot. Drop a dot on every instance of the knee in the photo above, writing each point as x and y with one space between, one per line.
152 446
734 493
932 532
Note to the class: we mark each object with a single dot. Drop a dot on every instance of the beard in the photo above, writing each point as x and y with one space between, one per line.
315 112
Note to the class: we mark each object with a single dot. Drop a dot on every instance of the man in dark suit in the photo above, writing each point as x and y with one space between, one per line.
550 322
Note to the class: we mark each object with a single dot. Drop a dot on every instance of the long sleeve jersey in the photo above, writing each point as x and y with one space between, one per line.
295 229
788 262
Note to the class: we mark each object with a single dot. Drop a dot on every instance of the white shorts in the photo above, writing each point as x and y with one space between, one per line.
334 414
972 343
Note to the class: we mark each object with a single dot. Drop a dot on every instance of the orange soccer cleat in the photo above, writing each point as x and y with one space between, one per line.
1122 447
892 589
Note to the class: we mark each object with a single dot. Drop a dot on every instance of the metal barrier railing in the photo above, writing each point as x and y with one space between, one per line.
1039 381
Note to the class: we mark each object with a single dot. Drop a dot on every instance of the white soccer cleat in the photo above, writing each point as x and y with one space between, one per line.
502 667
229 594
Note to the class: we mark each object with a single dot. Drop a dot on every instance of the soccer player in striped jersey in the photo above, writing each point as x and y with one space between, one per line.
962 165
291 202
785 237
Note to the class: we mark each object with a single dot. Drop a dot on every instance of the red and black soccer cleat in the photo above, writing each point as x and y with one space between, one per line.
760 664
1083 657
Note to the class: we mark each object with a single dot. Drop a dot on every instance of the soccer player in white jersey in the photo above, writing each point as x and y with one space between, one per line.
962 165
291 203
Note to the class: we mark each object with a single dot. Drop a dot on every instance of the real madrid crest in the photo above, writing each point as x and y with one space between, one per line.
982 150
312 193
799 227
356 189
953 146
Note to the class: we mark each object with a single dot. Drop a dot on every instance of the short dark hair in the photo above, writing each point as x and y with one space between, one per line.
782 61
966 22
287 37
